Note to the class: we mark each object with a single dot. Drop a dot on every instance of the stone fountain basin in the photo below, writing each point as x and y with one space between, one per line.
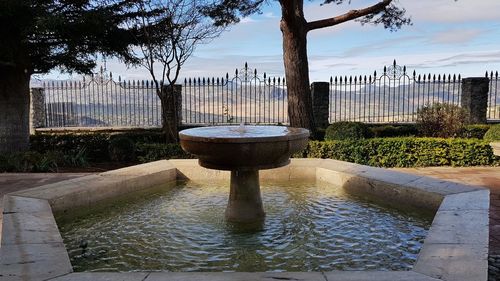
456 246
256 148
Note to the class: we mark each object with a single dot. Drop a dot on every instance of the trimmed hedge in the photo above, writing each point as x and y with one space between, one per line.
476 131
32 161
493 133
95 143
148 152
347 131
391 131
405 152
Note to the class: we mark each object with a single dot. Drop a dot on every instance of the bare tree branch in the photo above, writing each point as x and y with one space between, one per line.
351 15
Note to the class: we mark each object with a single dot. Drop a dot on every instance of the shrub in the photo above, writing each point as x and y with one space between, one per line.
95 144
386 131
476 131
493 134
347 131
32 161
405 152
441 120
148 152
121 149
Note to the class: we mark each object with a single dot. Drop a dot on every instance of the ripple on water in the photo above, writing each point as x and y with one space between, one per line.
308 227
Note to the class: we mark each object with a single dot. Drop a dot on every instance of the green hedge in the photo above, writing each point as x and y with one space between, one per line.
405 152
391 131
347 131
476 131
95 143
148 152
32 161
493 133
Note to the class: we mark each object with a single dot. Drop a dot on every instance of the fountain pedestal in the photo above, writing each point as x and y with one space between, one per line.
244 150
245 203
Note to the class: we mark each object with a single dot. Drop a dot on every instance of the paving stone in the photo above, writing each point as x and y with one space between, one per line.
30 228
460 227
34 261
235 276
442 187
453 262
103 276
17 204
476 200
377 276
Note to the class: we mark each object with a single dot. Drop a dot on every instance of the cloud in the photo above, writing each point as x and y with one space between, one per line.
456 36
449 11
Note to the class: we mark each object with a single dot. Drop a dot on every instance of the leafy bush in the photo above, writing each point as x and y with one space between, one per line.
390 131
121 149
493 134
476 131
347 131
33 161
148 152
441 120
405 152
95 144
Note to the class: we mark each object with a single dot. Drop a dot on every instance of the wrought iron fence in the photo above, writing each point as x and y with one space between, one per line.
493 110
394 96
101 101
246 97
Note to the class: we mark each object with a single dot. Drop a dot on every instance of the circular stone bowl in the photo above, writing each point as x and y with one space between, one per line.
243 147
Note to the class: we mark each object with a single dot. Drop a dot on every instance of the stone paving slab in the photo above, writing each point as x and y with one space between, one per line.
459 227
103 276
34 261
30 228
466 201
377 276
453 262
236 276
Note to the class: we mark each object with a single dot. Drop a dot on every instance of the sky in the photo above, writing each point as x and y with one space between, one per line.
447 36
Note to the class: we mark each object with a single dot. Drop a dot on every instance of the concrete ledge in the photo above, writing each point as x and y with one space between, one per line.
496 148
455 249
85 191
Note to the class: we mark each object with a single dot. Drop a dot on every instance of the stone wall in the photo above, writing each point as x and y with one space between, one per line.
320 92
37 109
475 98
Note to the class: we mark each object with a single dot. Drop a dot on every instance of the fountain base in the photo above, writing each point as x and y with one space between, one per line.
245 204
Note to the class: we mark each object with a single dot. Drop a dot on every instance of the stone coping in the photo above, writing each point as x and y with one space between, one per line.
456 247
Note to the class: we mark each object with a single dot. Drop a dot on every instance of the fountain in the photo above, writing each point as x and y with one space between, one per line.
244 150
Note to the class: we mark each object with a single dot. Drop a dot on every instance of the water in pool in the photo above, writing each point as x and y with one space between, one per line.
309 226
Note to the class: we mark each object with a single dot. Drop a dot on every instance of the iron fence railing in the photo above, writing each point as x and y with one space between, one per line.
246 97
101 102
393 96
396 95
493 110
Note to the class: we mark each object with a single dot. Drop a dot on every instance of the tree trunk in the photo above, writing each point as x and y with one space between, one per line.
14 109
293 27
169 98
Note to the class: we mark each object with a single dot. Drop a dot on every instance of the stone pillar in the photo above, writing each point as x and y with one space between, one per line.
475 98
172 113
245 203
37 109
320 92
174 102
